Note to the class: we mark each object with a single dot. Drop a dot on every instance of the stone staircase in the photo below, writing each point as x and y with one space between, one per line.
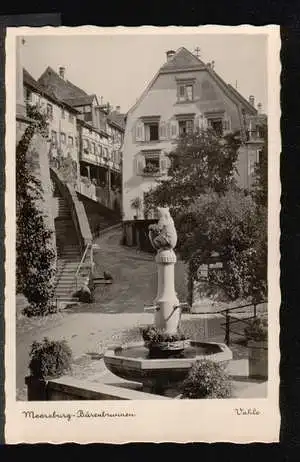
68 250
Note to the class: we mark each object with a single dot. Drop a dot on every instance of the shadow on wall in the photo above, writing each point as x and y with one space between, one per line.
99 217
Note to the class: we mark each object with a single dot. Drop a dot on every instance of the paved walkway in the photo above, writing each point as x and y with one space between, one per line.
118 310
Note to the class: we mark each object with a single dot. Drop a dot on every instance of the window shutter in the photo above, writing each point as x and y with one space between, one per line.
139 131
139 164
226 125
164 164
197 122
173 129
147 132
162 130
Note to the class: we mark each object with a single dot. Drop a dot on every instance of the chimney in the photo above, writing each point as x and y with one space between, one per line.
170 54
212 65
251 100
118 108
259 108
62 71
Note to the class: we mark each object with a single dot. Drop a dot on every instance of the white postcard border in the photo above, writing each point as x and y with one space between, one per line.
154 421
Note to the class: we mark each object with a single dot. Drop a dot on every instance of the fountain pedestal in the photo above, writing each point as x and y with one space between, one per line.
167 314
161 365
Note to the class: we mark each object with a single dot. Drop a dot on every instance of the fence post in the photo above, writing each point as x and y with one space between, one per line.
227 327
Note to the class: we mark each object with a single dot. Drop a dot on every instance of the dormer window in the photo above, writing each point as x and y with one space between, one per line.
185 90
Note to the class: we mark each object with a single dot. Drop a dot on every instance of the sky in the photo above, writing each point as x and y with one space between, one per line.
119 67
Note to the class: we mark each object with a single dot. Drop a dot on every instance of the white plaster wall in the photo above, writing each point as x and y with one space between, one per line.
60 124
161 100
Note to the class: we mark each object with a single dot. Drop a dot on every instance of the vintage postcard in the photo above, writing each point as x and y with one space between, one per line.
142 234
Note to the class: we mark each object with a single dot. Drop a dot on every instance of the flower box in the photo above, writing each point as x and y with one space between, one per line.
155 173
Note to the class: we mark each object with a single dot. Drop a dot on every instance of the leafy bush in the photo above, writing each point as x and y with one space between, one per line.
257 330
35 252
232 226
201 161
50 358
206 379
153 335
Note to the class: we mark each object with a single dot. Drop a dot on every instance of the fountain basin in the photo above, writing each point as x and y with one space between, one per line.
134 362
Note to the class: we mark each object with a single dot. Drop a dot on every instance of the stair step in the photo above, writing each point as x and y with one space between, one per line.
71 249
66 283
64 293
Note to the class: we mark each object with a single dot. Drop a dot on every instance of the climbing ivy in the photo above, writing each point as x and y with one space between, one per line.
35 254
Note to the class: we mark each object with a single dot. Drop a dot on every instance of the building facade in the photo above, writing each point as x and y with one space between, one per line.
85 140
185 94
62 142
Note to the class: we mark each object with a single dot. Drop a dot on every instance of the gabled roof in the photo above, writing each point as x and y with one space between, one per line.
63 89
30 81
182 60
48 93
118 119
80 100
241 98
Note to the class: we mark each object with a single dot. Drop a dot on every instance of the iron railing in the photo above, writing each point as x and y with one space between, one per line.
89 247
230 319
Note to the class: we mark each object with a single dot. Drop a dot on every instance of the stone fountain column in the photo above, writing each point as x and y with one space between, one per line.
168 312
163 237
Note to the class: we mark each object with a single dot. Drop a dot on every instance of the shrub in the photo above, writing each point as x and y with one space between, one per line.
257 330
50 358
206 379
236 229
39 309
34 246
153 335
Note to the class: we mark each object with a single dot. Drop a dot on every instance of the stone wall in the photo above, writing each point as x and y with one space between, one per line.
135 234
68 388
99 216
37 157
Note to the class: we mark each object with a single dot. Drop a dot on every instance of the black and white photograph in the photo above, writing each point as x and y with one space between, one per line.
144 235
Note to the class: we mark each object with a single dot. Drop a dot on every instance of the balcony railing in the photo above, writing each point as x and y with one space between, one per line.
88 156
110 199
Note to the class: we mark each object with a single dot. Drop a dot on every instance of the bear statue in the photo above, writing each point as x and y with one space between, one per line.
163 235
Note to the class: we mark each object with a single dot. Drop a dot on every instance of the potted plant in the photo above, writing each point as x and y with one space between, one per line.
159 341
206 380
136 204
48 359
256 333
151 169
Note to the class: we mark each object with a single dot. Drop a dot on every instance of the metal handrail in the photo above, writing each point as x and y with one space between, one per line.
89 245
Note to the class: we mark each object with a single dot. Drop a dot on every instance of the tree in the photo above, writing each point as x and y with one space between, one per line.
260 187
35 255
212 215
136 204
201 161
230 227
